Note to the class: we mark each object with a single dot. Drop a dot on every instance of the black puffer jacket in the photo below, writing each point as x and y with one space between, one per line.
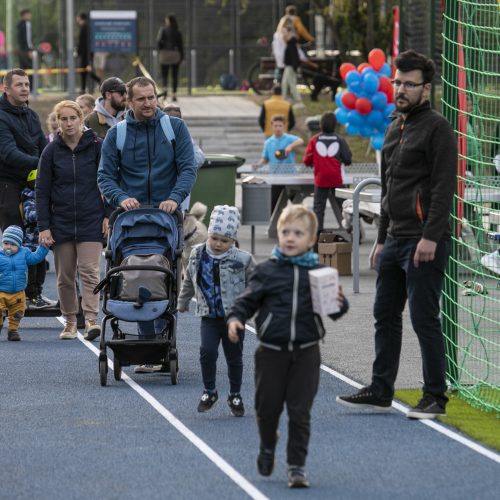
68 201
419 166
280 293
21 142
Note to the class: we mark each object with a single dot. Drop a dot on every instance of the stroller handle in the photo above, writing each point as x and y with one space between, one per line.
116 270
117 211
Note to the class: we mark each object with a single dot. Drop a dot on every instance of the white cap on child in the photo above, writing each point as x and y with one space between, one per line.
224 221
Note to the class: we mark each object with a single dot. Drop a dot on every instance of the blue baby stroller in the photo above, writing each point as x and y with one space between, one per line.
143 272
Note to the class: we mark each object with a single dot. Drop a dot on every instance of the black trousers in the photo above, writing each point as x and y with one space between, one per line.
36 279
319 204
175 75
84 62
213 332
10 199
292 378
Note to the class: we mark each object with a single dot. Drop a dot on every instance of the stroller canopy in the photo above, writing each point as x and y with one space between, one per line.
144 231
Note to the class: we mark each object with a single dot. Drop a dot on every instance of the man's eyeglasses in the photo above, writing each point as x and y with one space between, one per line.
407 85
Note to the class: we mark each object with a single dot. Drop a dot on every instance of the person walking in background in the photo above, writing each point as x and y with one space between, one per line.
72 216
25 41
296 23
419 168
171 53
21 142
86 103
52 126
110 108
216 274
83 51
36 272
326 152
287 360
14 262
276 105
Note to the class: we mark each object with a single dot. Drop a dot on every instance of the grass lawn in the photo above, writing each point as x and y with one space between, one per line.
479 425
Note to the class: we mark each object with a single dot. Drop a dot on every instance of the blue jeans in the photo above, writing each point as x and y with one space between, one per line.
399 280
213 331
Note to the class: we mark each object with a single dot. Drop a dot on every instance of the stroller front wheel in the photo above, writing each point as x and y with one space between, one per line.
173 371
103 371
117 369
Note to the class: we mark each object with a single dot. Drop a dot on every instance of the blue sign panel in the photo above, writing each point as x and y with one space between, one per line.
113 31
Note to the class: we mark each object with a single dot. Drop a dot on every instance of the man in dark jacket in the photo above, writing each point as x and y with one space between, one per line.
83 50
24 40
419 162
21 143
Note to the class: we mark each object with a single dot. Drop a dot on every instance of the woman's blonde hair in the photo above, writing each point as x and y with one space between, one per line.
51 117
68 104
293 212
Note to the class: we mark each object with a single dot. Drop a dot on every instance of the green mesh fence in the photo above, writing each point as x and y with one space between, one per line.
471 101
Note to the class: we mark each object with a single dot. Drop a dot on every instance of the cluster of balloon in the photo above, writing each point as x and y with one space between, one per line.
365 106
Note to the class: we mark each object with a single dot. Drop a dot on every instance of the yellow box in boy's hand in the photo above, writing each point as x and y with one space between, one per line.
324 283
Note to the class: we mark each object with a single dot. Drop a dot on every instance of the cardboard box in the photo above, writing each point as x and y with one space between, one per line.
337 255
324 285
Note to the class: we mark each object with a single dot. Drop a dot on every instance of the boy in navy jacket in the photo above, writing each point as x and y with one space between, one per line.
287 361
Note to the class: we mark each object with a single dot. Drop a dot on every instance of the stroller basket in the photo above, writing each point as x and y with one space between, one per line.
138 352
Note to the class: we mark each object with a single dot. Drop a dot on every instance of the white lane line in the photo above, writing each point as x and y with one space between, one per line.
215 458
430 423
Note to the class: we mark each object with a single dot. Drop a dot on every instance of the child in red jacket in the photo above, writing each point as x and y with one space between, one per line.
326 152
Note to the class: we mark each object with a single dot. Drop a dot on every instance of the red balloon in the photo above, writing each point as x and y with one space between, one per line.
384 84
376 58
363 105
348 100
362 66
345 68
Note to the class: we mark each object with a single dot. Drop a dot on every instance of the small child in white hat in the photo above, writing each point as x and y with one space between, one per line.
217 272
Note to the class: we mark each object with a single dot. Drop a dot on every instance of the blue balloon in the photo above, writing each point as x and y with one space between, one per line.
379 101
370 82
385 70
355 117
341 115
353 80
377 141
338 96
368 69
389 109
365 130
352 129
375 118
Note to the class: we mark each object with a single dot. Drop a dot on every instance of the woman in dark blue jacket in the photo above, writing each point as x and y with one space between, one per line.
71 215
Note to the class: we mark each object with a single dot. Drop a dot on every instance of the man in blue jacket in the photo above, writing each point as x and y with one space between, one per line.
21 143
150 169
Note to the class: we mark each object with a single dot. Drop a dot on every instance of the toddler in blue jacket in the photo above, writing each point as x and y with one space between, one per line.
14 262
217 272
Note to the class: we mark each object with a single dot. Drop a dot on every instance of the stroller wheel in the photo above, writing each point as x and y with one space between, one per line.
103 371
117 371
173 371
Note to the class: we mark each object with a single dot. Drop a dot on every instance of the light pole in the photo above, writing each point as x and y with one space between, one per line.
70 43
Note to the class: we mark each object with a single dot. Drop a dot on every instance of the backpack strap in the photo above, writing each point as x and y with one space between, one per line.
121 133
167 129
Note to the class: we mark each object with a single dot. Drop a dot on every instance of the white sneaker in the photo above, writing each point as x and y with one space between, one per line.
492 261
92 330
147 368
69 332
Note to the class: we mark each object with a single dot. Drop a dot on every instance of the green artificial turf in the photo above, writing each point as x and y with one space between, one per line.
479 425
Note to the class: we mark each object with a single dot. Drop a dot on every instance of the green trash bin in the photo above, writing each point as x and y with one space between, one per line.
216 181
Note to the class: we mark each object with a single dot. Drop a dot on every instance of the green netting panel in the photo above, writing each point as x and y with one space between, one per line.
471 101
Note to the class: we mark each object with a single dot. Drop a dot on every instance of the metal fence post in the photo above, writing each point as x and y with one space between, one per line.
231 61
36 78
193 68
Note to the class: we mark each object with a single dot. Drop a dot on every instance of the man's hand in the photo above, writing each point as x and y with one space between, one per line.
425 251
233 327
105 227
376 255
45 238
169 206
130 204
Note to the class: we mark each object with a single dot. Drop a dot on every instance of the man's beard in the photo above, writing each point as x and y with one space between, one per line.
407 105
118 106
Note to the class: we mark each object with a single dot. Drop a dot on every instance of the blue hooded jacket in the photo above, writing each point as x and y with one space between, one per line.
148 168
14 268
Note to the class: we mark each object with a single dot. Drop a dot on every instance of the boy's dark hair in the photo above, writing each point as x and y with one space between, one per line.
328 122
277 89
411 60
140 81
277 118
24 11
7 79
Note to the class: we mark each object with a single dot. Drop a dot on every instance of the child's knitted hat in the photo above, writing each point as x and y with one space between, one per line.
224 221
14 235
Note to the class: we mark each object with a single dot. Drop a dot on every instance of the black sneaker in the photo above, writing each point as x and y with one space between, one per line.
208 399
235 403
13 336
365 398
297 477
428 407
265 462
40 302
